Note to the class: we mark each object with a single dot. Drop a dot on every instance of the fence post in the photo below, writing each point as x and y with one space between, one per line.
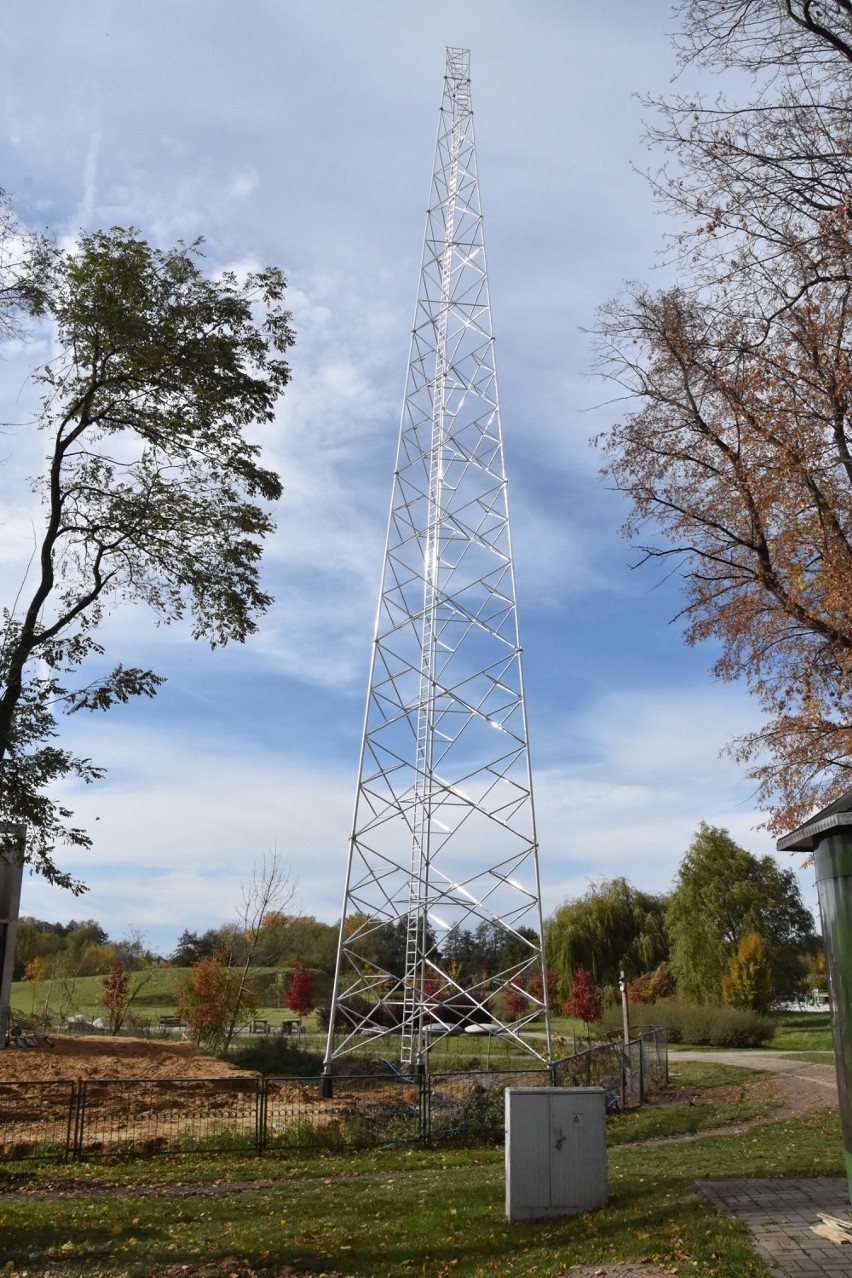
425 1103
70 1133
78 1112
641 1070
260 1115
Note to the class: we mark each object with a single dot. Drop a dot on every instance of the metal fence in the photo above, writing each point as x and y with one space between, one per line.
251 1114
625 1072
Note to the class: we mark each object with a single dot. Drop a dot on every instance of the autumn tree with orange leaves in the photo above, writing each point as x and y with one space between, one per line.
738 458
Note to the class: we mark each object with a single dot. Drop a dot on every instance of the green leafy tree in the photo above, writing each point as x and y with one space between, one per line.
721 894
152 491
614 926
35 939
748 981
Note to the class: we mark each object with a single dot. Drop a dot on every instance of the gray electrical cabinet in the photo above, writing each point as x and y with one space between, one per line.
555 1151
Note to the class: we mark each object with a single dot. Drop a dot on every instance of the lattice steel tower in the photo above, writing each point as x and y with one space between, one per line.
443 850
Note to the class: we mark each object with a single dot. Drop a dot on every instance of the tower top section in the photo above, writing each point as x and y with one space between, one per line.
457 79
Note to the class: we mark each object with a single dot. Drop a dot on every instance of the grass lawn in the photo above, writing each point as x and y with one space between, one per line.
407 1211
802 1032
158 990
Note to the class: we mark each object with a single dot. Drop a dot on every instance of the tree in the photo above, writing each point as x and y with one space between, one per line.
191 947
26 263
613 926
152 492
537 986
35 939
721 894
271 888
116 995
748 981
207 998
585 1000
87 949
738 461
37 970
517 1000
300 991
289 938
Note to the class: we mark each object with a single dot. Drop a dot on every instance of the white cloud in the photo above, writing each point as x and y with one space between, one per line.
180 820
242 185
643 769
178 825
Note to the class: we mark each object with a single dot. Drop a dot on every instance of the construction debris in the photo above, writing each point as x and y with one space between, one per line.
833 1228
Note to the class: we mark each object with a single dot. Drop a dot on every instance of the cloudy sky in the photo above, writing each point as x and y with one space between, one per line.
301 132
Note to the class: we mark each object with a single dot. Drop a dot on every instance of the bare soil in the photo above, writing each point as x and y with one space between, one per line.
98 1057
803 1085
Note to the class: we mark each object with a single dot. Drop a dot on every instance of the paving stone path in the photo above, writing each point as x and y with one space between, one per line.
779 1215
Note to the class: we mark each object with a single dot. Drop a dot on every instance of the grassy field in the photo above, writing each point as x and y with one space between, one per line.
158 991
156 994
803 1032
403 1212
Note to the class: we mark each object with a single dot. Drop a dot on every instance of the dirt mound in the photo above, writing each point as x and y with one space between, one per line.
91 1057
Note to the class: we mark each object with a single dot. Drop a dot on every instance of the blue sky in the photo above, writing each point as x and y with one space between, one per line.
301 132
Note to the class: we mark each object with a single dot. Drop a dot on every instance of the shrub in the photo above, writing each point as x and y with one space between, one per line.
299 995
703 1026
651 986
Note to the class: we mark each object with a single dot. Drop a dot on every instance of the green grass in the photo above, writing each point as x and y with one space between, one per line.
404 1212
802 1032
399 1213
701 1095
812 1058
159 988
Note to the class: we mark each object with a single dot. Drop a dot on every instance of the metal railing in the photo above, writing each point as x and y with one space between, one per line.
251 1114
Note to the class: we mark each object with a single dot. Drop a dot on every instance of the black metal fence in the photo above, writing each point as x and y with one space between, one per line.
251 1114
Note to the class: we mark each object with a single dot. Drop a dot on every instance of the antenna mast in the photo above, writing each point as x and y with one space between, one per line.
443 858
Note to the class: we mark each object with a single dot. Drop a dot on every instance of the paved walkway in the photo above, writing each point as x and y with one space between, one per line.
779 1214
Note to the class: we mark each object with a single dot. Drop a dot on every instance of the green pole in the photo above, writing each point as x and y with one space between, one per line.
833 859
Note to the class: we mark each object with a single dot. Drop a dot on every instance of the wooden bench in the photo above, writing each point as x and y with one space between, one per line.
172 1023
